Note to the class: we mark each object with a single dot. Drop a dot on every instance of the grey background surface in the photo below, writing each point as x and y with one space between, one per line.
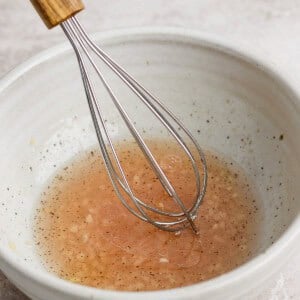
269 28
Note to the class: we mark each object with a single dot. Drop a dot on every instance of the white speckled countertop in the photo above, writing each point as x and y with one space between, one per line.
270 28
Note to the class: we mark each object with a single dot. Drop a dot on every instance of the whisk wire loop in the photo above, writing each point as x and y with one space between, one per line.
80 40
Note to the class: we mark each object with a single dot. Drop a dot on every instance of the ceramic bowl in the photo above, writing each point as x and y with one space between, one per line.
211 86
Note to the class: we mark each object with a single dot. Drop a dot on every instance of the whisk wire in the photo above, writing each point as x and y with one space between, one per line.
76 34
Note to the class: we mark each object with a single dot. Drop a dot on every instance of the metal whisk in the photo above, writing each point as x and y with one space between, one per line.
62 12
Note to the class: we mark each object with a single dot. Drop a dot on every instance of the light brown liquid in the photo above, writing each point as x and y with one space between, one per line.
85 235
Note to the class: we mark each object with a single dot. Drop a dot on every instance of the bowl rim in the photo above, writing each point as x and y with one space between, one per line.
290 236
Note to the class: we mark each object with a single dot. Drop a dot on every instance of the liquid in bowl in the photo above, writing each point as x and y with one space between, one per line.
84 234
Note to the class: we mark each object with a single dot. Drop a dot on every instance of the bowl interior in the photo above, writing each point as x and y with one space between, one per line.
240 110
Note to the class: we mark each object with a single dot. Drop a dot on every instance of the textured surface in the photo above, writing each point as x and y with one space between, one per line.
270 28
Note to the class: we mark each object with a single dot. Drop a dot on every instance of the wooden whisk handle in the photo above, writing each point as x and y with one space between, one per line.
53 12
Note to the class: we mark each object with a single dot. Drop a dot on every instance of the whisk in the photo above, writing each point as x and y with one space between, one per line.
62 12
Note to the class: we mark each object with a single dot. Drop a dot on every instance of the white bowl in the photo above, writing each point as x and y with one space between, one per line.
200 77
